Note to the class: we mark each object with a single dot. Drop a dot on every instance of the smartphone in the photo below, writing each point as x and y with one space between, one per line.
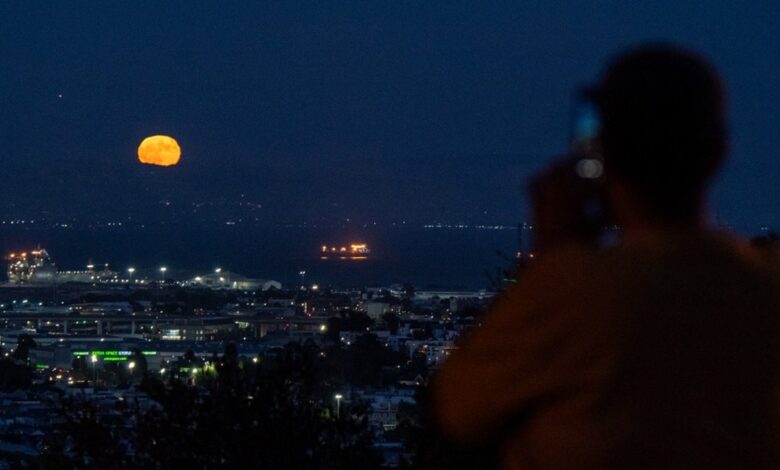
584 135
587 161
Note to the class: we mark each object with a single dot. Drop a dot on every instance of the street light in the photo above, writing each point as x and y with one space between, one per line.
162 273
338 398
303 279
222 279
130 272
94 359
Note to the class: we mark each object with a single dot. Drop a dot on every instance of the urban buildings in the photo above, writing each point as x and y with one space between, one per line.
104 342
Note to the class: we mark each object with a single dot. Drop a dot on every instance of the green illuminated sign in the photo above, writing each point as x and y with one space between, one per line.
41 366
106 354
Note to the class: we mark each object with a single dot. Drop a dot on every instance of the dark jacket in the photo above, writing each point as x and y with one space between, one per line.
663 352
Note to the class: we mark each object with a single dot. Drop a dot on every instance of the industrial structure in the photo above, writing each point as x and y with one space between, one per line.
38 267
33 267
220 279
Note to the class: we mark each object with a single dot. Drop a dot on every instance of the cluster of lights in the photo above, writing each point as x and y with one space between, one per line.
355 248
23 255
478 227
18 222
356 251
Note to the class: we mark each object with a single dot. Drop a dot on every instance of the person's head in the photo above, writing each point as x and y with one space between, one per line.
663 127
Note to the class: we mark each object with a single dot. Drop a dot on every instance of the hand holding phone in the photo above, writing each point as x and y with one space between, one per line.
584 140
568 198
564 207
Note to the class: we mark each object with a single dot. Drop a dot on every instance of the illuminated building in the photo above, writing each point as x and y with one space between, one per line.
33 267
375 310
220 279
352 251
37 267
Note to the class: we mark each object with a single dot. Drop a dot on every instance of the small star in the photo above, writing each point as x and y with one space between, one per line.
59 96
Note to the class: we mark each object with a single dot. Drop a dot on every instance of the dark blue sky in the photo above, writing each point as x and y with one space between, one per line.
369 110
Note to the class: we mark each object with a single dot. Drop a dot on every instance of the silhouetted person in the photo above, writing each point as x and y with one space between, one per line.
661 350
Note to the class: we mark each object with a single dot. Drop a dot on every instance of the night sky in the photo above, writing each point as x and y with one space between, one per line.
373 111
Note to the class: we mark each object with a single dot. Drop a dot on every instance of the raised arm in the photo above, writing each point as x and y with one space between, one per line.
533 346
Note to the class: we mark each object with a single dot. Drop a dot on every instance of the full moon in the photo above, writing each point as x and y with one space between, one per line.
160 150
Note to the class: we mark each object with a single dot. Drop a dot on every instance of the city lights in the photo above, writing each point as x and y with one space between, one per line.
299 310
353 251
243 357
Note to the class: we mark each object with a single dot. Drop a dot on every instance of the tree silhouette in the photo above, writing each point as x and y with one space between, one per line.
274 414
14 376
24 343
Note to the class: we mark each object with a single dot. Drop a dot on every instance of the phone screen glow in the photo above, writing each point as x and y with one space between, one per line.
587 123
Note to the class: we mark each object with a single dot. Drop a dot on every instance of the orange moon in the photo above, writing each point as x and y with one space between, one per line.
160 150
